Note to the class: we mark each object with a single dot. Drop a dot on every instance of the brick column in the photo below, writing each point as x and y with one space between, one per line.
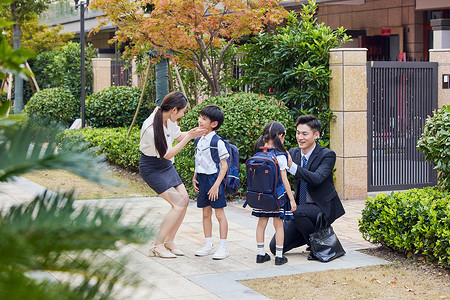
442 57
348 133
101 68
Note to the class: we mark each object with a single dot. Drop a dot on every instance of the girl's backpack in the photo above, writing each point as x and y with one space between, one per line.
265 189
231 180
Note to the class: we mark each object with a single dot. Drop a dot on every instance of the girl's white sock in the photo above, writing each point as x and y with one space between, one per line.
261 250
279 251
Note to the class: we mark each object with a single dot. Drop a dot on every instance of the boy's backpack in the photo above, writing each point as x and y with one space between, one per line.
265 189
231 180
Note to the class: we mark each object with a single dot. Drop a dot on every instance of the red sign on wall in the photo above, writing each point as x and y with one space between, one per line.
385 31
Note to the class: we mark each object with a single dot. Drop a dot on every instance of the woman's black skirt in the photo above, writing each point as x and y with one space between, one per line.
159 174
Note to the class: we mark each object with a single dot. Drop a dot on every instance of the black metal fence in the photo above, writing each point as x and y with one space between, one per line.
400 97
121 72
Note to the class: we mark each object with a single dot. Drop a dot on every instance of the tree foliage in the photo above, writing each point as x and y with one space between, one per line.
292 63
40 37
196 33
11 61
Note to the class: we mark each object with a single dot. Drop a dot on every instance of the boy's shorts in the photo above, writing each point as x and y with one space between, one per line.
205 182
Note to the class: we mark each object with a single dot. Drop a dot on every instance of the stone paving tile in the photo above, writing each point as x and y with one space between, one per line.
191 277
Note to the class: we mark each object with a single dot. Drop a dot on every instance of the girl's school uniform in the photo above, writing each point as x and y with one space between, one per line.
158 173
284 212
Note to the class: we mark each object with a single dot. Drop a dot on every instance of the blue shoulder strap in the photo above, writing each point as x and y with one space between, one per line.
215 150
195 144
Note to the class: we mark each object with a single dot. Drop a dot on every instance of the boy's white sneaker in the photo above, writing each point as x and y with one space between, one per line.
205 250
221 253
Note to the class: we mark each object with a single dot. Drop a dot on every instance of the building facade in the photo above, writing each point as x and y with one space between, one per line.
387 28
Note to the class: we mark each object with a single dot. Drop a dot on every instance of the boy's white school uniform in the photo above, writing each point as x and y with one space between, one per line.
204 163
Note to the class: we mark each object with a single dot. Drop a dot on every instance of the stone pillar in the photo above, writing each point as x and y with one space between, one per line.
442 57
101 68
348 133
135 75
441 33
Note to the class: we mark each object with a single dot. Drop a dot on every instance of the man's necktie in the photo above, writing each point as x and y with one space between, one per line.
303 190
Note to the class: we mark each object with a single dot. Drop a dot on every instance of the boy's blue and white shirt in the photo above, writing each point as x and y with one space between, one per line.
204 163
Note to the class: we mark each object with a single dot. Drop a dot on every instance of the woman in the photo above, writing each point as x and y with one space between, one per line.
156 167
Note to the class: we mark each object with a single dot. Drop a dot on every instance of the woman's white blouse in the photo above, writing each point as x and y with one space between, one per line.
147 144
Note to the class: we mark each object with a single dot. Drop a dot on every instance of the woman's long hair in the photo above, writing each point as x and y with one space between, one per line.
172 100
271 132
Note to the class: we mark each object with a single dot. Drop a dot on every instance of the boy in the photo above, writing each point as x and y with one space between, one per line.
207 181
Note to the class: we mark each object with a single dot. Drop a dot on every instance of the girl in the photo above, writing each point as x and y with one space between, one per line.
273 137
156 167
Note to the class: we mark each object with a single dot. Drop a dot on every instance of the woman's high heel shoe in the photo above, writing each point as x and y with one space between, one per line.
172 248
163 254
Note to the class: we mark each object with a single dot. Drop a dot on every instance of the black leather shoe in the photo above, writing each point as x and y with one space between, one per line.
280 260
262 258
311 256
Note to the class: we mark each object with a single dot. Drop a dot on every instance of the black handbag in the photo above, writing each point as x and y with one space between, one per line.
325 245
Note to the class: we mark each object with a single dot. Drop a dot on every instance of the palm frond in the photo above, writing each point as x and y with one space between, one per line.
30 145
51 234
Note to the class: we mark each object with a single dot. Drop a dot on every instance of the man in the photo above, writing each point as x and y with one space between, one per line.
312 166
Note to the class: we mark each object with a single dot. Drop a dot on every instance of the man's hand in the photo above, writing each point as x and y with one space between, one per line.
289 159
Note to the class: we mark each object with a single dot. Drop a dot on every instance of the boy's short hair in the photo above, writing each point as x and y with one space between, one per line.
311 121
214 113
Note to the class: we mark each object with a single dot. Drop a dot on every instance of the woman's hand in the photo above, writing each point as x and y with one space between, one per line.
196 132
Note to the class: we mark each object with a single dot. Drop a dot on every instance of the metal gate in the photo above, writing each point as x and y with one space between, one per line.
120 72
400 97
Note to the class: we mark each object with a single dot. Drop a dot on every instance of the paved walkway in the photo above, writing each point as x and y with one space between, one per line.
192 277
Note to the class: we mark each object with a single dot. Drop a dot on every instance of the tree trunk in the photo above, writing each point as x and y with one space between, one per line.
18 82
162 80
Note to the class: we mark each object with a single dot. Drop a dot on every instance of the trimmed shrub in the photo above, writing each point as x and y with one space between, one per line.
112 142
435 144
245 117
115 107
56 104
417 221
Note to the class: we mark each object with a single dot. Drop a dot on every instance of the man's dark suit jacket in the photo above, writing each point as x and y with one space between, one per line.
319 177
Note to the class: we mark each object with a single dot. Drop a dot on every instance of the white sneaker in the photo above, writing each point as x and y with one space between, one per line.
205 250
221 253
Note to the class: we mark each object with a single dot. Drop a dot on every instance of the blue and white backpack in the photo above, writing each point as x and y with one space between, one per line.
265 189
231 180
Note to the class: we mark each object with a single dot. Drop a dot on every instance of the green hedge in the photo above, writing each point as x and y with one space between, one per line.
56 104
115 107
417 221
112 142
246 115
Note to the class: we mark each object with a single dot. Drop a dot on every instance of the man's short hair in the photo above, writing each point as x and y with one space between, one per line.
311 121
214 113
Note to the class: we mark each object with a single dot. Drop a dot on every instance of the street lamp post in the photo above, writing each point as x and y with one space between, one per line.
82 5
